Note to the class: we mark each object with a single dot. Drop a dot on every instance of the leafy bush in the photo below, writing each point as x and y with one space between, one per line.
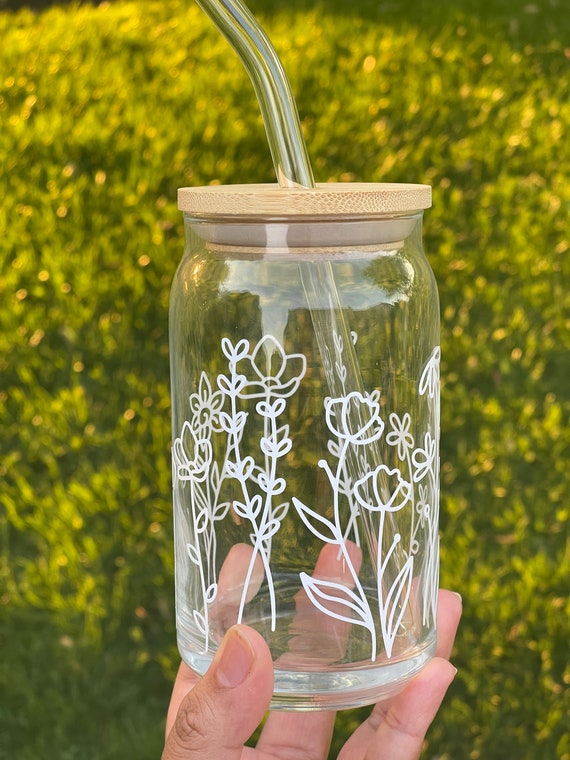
105 111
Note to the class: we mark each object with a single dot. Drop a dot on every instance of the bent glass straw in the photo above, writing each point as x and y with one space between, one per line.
293 169
280 116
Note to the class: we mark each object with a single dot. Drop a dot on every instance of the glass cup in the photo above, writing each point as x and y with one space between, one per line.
304 338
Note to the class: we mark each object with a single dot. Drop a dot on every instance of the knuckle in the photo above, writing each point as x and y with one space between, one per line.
193 721
398 723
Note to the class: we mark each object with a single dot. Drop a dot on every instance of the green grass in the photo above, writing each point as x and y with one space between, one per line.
104 112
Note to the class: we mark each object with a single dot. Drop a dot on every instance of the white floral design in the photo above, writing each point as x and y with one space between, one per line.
400 435
265 377
268 377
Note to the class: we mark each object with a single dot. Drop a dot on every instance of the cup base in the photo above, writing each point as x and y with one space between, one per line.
341 689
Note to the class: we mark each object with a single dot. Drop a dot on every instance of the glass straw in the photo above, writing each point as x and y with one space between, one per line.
280 116
293 169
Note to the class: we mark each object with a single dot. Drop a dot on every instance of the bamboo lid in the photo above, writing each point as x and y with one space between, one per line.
334 198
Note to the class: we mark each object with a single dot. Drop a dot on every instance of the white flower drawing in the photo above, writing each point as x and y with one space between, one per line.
249 403
400 435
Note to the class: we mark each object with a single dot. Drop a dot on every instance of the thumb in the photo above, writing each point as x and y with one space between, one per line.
221 712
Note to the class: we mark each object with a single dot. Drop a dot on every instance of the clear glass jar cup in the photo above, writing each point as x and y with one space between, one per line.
304 339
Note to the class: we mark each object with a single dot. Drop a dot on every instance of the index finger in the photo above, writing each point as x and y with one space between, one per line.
449 608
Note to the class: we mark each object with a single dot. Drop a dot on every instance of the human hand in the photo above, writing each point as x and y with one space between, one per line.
211 718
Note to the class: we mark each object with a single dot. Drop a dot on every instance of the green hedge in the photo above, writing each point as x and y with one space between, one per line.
104 112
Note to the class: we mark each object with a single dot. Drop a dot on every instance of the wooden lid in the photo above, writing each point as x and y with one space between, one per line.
338 198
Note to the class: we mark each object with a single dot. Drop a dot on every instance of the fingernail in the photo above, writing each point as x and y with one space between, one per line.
458 596
235 659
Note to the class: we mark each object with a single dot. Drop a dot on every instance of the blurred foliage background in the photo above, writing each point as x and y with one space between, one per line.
104 111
